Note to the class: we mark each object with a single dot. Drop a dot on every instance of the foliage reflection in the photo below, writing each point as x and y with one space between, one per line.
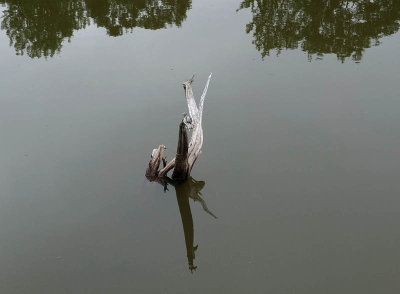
38 27
318 27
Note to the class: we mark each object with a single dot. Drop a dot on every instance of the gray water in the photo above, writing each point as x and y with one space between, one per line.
301 154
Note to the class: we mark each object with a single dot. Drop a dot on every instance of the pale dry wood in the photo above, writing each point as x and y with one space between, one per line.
196 142
154 164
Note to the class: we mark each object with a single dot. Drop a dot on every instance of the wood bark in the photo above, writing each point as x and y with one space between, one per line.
181 159
187 152
154 163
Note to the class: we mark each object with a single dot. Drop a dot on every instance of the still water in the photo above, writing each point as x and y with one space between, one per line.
297 189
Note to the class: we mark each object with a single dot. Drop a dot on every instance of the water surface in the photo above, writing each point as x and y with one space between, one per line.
300 162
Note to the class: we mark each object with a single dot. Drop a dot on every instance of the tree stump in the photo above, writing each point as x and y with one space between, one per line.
187 152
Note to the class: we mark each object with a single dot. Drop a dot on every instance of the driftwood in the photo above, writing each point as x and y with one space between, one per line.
187 152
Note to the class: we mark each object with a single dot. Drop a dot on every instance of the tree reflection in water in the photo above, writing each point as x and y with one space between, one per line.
190 189
38 27
344 28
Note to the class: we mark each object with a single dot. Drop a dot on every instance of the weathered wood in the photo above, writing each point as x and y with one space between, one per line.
154 164
187 153
181 159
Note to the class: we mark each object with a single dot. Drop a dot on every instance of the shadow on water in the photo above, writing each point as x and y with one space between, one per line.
38 27
190 189
319 27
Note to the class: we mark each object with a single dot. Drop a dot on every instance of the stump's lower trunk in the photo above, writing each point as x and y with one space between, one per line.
181 170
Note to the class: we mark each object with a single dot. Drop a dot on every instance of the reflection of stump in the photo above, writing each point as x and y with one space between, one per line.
185 190
187 152
187 222
189 189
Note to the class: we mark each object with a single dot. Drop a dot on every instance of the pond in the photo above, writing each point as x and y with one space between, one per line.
297 189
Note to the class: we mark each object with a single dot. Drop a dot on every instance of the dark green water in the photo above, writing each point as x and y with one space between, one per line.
301 154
